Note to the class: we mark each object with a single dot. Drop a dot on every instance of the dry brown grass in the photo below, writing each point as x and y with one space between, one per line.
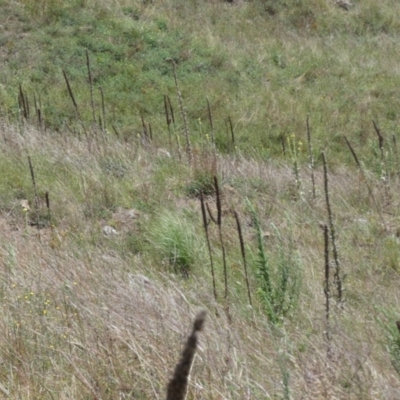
84 317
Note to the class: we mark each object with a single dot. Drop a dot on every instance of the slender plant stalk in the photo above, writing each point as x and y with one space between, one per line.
90 86
221 240
396 154
337 274
169 120
211 121
71 95
219 224
380 138
24 105
103 108
366 182
226 294
116 131
172 115
213 219
27 106
35 102
385 175
205 224
171 110
36 195
218 201
40 102
145 135
283 143
39 116
327 291
100 122
40 119
38 112
232 132
47 196
242 249
310 156
177 387
189 151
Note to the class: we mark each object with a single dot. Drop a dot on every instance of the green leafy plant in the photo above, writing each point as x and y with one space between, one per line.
278 276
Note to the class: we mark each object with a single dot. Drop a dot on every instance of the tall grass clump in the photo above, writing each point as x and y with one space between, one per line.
278 277
175 241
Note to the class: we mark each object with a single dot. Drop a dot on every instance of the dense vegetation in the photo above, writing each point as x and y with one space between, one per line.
161 157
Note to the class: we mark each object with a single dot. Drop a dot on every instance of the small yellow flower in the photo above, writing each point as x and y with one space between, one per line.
44 312
25 205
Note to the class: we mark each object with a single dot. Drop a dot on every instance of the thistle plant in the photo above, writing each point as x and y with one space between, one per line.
279 284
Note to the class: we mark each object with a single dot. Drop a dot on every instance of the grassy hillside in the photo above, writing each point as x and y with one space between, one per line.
264 64
127 124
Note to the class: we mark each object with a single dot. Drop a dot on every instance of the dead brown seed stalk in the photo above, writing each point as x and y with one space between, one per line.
177 386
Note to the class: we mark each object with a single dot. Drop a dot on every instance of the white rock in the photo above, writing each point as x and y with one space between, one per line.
109 230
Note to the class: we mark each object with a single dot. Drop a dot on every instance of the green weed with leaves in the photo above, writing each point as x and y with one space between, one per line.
278 276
